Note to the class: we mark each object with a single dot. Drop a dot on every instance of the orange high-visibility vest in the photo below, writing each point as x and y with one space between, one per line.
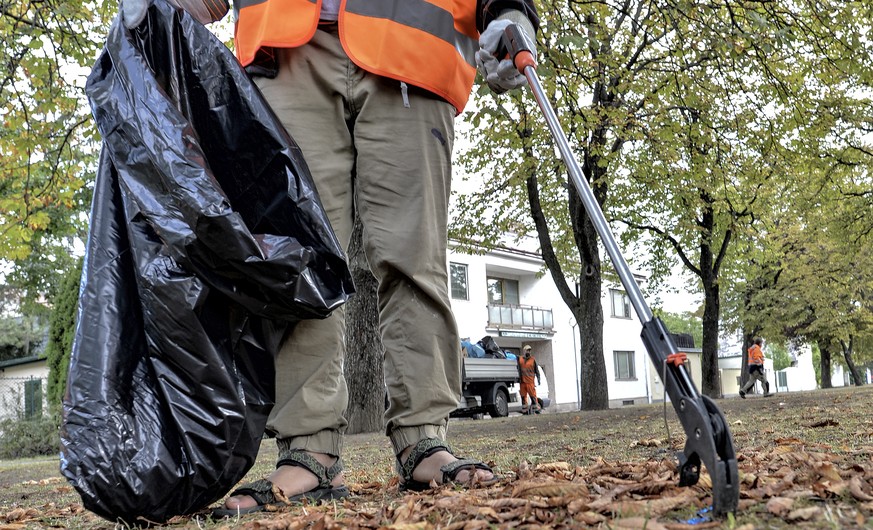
756 356
528 369
426 43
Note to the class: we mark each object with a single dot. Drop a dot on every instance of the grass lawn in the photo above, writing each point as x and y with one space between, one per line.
805 461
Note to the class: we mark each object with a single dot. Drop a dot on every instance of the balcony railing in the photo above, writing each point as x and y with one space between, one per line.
519 317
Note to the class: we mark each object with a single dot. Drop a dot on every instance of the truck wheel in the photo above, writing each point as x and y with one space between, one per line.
500 408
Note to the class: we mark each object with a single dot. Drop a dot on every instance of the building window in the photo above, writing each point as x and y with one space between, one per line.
781 379
620 304
458 280
502 291
624 366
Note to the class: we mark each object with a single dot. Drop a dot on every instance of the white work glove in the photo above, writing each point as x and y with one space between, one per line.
501 74
133 12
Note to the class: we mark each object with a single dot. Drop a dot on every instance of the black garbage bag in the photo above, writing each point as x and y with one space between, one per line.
207 243
490 346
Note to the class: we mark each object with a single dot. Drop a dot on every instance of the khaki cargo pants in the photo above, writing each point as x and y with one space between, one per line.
385 148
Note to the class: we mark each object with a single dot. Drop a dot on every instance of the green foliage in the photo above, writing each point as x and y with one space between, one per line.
47 136
686 322
20 336
780 356
701 127
61 331
27 438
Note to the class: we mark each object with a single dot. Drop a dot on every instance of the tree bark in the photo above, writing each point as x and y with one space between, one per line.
825 363
709 272
748 337
364 351
848 354
595 387
709 362
586 304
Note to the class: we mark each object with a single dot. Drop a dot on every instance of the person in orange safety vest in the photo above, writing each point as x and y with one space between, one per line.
369 90
527 372
756 369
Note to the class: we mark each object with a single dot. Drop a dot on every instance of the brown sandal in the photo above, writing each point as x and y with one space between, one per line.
423 449
264 491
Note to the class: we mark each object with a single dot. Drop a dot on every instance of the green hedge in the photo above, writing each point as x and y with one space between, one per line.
26 438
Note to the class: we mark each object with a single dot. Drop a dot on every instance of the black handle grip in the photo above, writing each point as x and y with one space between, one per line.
515 41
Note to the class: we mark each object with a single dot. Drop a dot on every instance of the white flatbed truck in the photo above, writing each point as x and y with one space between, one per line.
487 387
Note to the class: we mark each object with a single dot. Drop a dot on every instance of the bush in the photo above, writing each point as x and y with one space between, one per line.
26 438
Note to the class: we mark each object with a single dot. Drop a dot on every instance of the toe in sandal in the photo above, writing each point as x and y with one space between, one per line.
265 492
423 449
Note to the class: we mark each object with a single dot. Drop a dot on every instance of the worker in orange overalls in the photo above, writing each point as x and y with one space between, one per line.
527 372
756 369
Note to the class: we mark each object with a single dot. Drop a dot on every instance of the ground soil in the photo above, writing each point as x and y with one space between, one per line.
805 461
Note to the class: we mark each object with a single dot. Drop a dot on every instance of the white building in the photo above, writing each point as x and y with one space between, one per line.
22 387
795 378
801 374
503 293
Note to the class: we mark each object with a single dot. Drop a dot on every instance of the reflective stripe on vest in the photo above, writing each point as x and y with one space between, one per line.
429 44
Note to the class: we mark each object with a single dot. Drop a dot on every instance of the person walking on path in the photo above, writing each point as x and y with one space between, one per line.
369 90
756 369
527 372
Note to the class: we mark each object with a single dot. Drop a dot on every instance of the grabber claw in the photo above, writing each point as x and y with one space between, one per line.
708 440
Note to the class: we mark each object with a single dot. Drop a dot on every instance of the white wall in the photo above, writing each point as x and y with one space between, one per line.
12 386
802 375
557 352
36 370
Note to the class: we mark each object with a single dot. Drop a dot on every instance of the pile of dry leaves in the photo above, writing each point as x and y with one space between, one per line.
805 461
791 482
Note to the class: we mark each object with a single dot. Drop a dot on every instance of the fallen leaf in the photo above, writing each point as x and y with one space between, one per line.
780 505
566 489
637 523
589 518
805 514
414 526
857 490
827 489
828 471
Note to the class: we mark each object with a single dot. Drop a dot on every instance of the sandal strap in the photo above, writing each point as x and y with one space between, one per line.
300 458
421 450
260 490
451 470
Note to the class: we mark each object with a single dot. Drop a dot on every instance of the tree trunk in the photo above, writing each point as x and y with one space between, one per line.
585 304
748 337
711 309
595 388
709 363
364 352
825 362
848 354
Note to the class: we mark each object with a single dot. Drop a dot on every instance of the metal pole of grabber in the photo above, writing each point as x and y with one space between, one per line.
708 437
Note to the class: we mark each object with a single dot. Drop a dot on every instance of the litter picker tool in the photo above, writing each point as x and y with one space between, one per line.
708 439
